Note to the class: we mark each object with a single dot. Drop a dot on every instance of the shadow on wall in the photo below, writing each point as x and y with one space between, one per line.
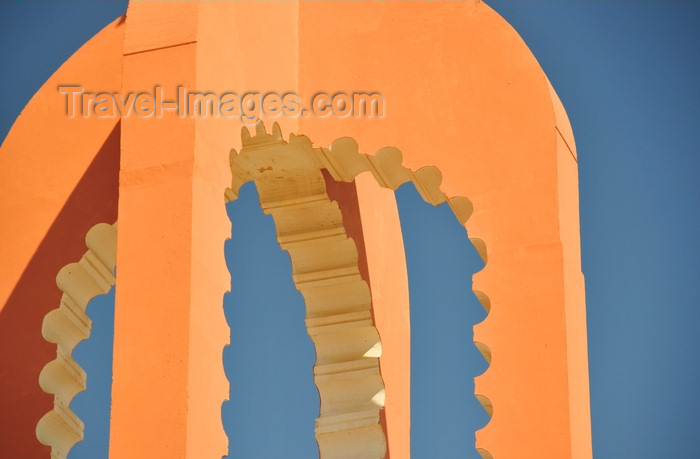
23 351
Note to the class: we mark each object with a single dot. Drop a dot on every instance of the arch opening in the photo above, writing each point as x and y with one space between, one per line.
269 363
94 355
68 325
289 176
444 359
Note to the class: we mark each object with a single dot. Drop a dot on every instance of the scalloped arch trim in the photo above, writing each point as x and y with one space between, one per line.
66 326
324 268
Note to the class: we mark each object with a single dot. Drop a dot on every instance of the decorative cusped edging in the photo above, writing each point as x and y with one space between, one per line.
325 270
66 326
288 176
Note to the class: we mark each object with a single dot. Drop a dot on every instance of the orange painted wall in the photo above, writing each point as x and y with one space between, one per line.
156 327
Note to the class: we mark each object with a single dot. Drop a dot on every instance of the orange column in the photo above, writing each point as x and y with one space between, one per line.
169 326
371 218
168 380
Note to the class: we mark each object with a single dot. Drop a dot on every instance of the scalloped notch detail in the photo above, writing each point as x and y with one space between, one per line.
66 326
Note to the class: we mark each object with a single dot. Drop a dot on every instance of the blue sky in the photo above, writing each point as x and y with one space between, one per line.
627 74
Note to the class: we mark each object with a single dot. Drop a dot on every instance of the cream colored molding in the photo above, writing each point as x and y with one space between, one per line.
66 326
288 176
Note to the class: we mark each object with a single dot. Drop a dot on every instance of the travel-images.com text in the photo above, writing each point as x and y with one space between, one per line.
248 107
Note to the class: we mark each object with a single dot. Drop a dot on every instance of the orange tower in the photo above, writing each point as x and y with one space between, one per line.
469 117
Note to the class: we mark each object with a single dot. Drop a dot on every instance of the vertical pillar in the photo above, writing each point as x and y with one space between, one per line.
371 218
170 329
